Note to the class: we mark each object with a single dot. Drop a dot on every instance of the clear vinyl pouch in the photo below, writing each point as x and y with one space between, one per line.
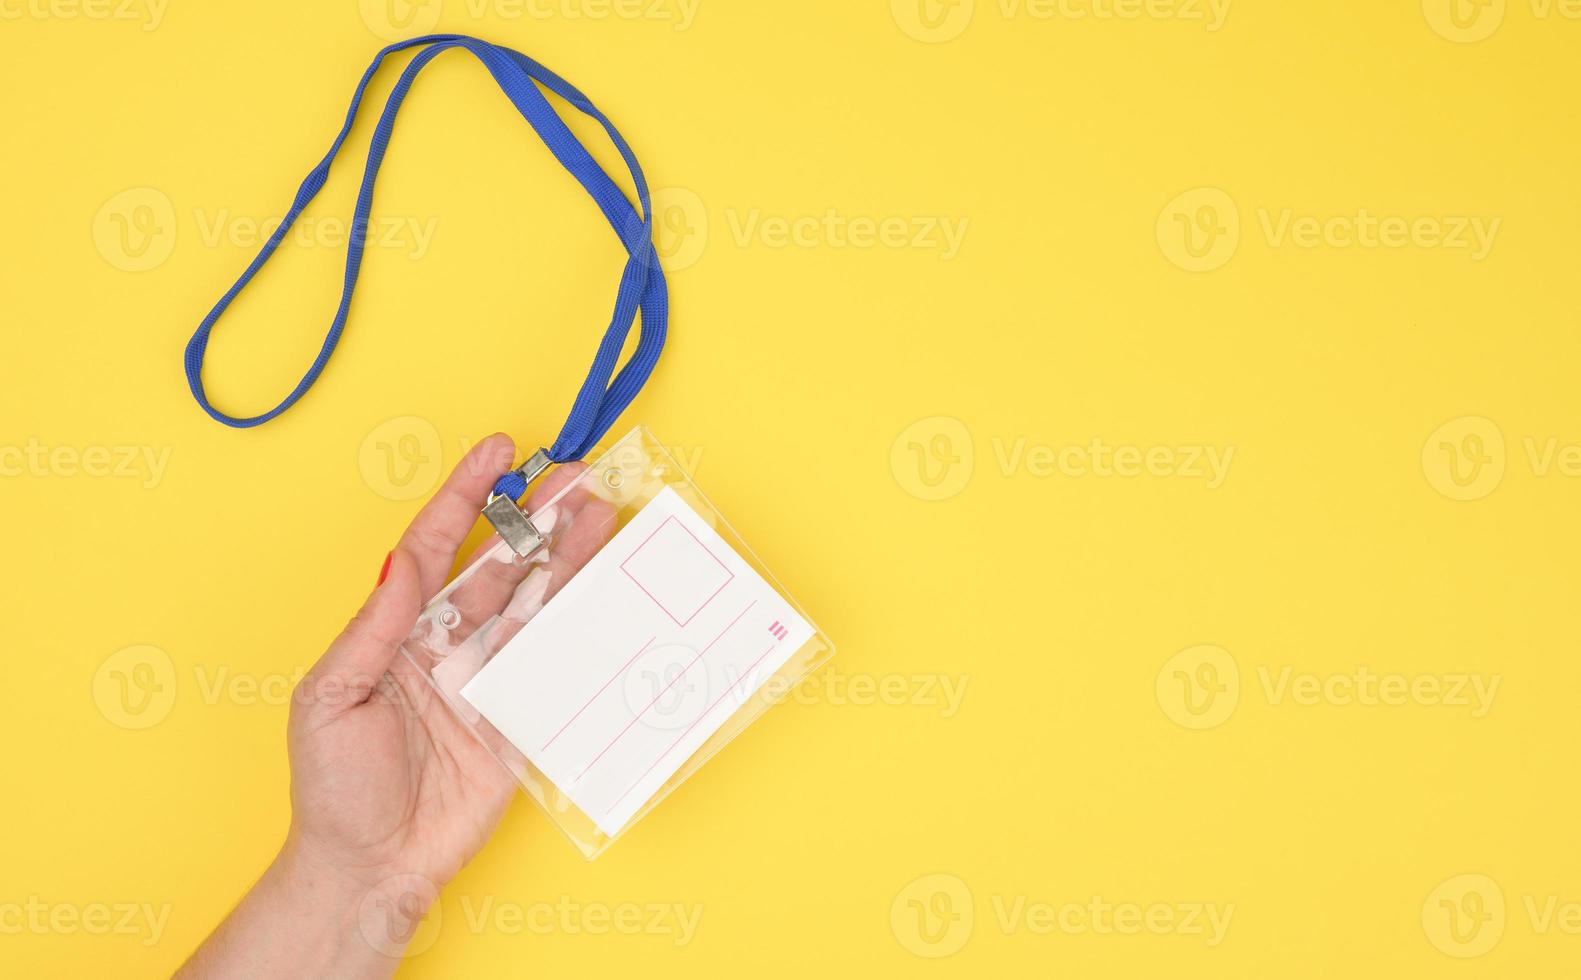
608 666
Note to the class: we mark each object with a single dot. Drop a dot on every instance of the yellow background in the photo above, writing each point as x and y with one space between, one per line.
813 383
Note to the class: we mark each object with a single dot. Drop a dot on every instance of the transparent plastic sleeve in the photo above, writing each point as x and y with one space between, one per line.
565 685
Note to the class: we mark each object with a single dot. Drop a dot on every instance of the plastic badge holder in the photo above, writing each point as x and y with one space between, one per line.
651 636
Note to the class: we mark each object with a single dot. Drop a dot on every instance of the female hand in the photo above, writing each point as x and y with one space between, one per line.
390 794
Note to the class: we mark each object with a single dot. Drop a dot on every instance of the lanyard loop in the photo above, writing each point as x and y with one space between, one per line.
600 401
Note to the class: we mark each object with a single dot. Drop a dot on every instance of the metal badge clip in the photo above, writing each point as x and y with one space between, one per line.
514 525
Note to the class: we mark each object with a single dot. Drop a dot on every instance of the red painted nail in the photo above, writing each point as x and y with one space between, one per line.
384 572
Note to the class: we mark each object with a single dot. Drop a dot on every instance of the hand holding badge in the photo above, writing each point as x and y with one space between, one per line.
615 632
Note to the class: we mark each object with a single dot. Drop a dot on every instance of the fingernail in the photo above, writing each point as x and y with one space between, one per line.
384 572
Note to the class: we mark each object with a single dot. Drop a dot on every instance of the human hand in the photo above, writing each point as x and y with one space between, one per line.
390 793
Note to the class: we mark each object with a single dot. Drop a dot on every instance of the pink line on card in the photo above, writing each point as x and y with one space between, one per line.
601 690
656 697
730 576
663 755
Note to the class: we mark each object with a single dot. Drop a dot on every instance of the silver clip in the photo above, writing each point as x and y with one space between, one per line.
513 524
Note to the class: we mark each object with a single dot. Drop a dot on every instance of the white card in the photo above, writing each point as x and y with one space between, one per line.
643 655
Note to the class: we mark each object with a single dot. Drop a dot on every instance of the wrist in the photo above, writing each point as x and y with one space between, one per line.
358 917
320 878
307 916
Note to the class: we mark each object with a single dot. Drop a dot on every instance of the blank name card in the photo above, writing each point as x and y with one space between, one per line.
642 657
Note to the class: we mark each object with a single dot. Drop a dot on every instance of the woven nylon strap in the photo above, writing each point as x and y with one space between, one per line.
642 287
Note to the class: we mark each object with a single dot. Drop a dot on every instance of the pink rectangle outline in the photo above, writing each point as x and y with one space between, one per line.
730 575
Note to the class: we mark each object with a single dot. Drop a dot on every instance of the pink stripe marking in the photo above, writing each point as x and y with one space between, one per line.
601 690
666 752
656 697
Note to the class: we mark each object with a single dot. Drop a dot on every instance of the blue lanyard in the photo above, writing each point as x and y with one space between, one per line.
599 402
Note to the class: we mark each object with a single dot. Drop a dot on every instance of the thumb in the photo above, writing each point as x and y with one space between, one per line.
361 654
